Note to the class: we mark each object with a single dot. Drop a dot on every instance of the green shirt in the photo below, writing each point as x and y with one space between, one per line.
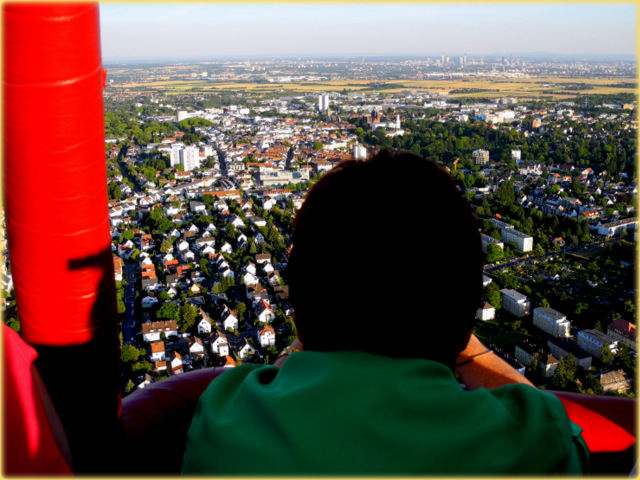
354 413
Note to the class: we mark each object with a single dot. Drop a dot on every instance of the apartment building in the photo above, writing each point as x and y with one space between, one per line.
551 321
623 332
561 347
523 242
488 240
592 341
480 157
515 303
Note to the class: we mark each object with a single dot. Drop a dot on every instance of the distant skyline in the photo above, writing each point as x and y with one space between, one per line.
155 31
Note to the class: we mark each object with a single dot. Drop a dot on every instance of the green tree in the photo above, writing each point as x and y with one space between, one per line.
493 296
591 384
164 296
142 366
165 246
605 354
564 376
168 311
129 353
494 253
122 308
130 386
188 314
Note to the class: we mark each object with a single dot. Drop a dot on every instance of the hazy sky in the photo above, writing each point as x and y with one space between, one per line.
172 30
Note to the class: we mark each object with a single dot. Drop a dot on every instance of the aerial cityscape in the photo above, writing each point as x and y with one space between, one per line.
209 159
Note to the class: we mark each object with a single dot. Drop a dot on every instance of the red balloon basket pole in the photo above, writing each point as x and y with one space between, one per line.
55 190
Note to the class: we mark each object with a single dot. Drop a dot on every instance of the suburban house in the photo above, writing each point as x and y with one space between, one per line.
151 330
176 363
220 346
487 312
264 312
267 336
204 326
229 320
244 349
229 362
196 347
157 352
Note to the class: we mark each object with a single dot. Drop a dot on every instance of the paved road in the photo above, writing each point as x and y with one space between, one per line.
129 323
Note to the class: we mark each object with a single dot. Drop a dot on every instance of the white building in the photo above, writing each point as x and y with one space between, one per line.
613 228
624 332
152 331
267 336
551 321
359 152
190 158
523 241
323 103
515 303
488 240
592 341
487 312
480 157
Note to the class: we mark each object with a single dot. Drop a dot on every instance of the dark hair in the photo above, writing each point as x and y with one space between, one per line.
387 259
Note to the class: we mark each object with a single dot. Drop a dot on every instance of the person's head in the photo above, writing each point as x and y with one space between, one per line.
387 259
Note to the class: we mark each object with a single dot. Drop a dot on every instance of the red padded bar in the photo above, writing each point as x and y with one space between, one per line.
54 170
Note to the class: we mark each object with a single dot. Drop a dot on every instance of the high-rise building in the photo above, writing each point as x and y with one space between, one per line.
190 158
359 152
323 103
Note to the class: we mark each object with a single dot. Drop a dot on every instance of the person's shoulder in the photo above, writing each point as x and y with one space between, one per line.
530 405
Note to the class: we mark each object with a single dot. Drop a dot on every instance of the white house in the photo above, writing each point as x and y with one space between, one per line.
264 312
182 245
487 312
229 320
241 241
225 271
151 331
249 268
204 326
176 363
220 346
267 336
226 248
157 352
245 350
263 258
250 279
236 221
196 347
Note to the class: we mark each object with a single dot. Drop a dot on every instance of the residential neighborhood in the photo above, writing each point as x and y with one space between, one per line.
203 191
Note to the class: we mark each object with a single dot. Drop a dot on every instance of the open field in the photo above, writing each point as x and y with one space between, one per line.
477 87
